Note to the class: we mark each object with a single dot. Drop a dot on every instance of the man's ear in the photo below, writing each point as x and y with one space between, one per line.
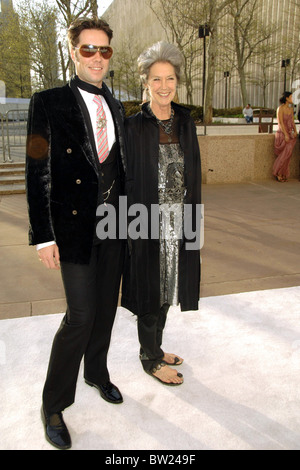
72 53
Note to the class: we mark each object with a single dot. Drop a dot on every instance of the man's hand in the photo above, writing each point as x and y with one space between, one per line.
50 256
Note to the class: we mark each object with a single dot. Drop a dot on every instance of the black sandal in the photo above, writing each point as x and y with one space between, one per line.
177 362
158 367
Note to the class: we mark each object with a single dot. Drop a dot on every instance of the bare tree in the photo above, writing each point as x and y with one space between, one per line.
14 56
249 33
40 19
172 15
291 49
126 76
70 10
209 12
295 55
182 18
266 62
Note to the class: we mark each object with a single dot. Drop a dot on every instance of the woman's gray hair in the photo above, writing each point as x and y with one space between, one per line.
159 52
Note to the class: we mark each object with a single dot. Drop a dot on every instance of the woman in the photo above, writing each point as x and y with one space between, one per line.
163 171
285 138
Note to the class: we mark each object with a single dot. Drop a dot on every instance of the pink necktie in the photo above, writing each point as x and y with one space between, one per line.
102 141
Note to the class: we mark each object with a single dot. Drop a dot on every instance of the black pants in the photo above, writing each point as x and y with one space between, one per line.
92 297
150 332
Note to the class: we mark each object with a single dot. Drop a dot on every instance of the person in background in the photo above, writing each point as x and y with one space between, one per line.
248 113
163 170
75 162
285 137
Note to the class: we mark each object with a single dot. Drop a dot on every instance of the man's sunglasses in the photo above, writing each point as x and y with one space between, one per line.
88 50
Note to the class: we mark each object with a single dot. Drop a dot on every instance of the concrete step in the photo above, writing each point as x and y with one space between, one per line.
12 168
12 178
19 165
12 171
7 189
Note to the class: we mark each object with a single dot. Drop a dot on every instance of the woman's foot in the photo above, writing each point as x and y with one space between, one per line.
281 179
166 375
172 359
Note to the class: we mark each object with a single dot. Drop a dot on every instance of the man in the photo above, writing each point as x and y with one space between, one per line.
248 113
75 162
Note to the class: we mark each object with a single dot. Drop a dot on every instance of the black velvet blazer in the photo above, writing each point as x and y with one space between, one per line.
62 179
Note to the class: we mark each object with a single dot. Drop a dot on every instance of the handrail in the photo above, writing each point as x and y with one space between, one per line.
2 136
13 130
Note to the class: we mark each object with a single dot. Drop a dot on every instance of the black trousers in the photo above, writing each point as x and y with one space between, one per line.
92 297
150 333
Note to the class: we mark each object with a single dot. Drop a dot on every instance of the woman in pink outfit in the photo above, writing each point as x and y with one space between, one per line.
285 138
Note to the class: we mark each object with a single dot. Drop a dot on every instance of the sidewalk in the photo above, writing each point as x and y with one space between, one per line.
241 382
241 349
251 243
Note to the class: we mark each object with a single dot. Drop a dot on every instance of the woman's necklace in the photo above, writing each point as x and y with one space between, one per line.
166 126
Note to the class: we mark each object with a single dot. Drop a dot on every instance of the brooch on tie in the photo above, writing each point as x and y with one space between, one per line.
101 123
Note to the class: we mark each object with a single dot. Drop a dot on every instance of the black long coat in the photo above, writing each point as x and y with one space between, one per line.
141 280
62 180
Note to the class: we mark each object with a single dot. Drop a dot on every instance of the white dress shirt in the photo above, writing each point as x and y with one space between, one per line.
111 135
92 109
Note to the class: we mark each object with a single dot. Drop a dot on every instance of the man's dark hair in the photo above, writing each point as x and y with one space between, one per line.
82 23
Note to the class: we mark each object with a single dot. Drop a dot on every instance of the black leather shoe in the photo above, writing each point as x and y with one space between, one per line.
108 392
56 431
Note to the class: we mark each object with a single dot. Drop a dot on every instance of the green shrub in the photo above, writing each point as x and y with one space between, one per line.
196 111
238 111
131 107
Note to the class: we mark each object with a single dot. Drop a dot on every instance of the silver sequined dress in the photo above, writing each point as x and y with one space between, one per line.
171 193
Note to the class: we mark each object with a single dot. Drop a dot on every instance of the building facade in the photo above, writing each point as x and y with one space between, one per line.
268 72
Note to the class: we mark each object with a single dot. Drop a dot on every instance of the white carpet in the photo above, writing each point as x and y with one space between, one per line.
241 389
